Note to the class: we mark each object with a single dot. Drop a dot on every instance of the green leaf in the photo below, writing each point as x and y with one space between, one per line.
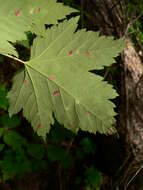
8 122
57 80
59 133
13 139
3 98
1 131
14 164
39 165
2 146
36 151
79 153
66 161
17 17
55 153
88 145
93 177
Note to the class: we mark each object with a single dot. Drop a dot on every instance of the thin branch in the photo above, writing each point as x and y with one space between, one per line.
137 172
82 14
132 22
12 57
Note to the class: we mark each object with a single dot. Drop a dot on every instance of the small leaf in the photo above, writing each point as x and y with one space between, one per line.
39 165
66 161
8 122
2 146
88 145
58 134
55 153
14 163
92 177
13 139
3 98
36 151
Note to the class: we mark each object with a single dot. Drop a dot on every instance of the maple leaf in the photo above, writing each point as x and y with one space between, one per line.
56 80
17 17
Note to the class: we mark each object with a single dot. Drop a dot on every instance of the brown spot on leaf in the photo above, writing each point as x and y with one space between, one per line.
87 53
6 129
70 125
25 81
56 93
38 126
89 113
38 10
17 12
52 77
70 52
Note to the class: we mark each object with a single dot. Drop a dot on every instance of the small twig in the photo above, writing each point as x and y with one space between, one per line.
60 177
138 42
132 22
12 57
123 9
106 72
137 172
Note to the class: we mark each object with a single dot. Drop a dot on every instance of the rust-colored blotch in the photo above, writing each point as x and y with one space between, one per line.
70 52
89 113
25 81
39 126
38 10
70 125
52 77
87 53
56 93
17 13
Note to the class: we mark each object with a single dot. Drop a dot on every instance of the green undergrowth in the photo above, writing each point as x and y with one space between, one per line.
20 155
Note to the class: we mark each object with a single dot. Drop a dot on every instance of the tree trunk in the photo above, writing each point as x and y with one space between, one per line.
107 16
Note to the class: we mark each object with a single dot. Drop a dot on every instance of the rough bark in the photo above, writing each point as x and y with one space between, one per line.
105 15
